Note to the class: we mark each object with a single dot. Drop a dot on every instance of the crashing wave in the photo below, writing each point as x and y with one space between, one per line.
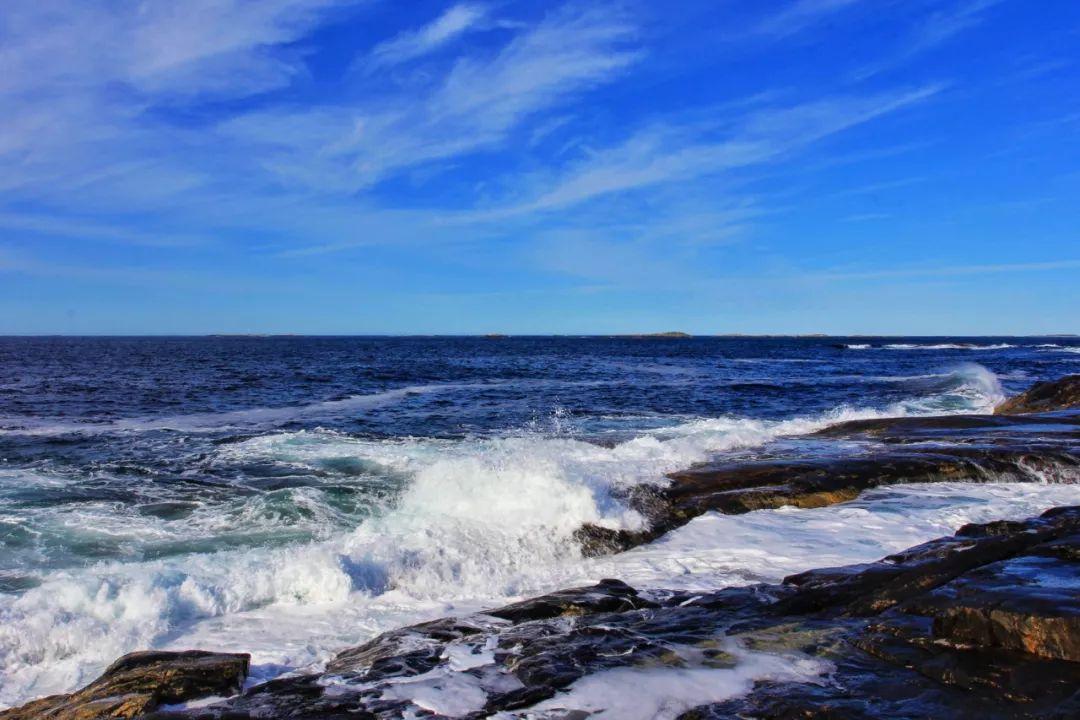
475 521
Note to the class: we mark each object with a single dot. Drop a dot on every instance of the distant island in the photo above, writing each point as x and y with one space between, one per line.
672 334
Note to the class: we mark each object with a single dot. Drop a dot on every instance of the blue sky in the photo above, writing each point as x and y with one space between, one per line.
326 166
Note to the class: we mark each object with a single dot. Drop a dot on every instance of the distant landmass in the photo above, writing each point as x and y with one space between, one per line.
671 334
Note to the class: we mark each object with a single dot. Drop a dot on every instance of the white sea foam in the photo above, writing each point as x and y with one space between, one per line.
291 607
716 550
479 522
666 693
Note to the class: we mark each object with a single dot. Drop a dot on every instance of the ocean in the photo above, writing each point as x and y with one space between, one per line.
289 496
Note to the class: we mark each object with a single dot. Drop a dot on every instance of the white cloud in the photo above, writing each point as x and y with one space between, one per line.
473 107
801 15
90 93
453 23
157 46
80 84
940 27
948 271
89 229
672 153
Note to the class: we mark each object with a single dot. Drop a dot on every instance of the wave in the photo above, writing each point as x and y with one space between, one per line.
212 421
933 346
948 346
477 521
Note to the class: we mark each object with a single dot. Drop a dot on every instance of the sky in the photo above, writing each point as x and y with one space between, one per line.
383 167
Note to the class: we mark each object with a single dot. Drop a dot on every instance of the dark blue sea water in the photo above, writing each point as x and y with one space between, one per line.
149 486
457 386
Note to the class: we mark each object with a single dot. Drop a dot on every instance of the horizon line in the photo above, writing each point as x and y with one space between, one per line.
500 335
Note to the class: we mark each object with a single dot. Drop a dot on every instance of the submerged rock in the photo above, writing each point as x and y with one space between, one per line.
139 683
1055 395
982 625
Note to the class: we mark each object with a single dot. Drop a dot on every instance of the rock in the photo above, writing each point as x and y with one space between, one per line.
138 683
872 588
944 427
1028 603
895 450
608 596
918 634
1052 396
944 651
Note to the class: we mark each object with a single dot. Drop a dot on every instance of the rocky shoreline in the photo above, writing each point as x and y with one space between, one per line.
1037 438
982 624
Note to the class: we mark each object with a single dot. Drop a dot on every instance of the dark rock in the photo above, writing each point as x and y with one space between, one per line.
946 651
872 588
409 650
972 448
978 625
139 682
1055 395
608 596
1028 603
920 428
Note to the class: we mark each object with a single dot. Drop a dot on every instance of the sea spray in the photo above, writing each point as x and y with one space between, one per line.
455 523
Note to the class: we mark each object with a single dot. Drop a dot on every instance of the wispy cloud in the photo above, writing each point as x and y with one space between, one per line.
90 229
866 217
801 15
84 87
938 28
453 23
948 270
671 153
204 46
472 107
90 92
882 186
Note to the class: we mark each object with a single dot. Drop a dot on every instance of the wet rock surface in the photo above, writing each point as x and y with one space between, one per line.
1054 395
983 624
848 458
139 683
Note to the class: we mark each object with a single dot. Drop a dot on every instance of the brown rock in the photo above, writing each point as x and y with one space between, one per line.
139 682
1062 394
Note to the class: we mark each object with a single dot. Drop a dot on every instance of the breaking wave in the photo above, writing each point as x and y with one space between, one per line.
1051 347
932 346
468 522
